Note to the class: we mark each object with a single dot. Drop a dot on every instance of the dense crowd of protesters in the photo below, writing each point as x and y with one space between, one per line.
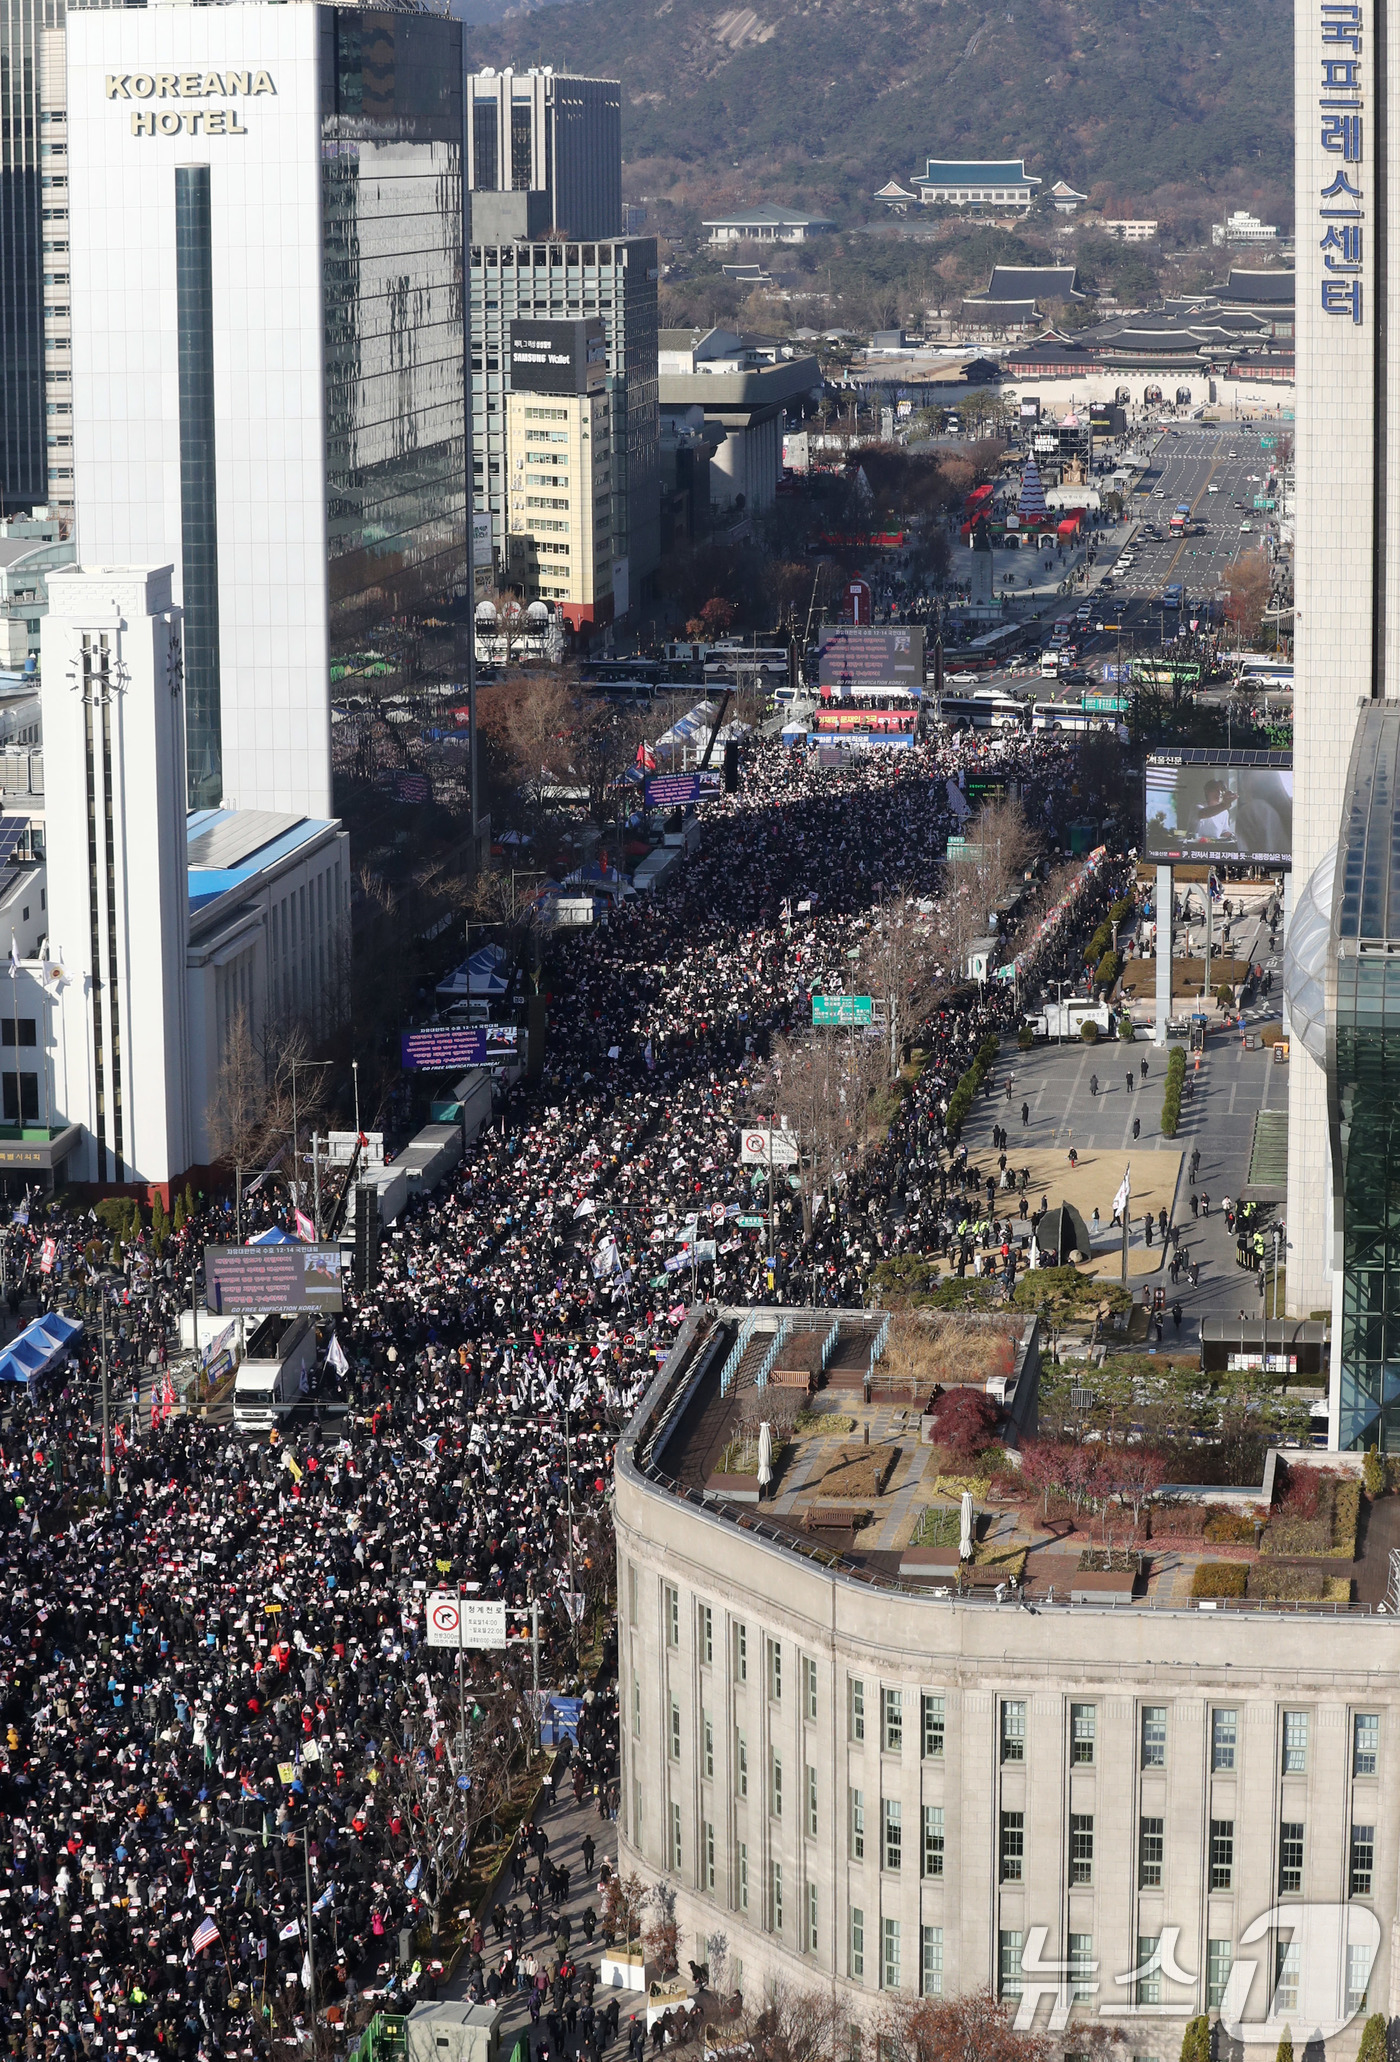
206 1683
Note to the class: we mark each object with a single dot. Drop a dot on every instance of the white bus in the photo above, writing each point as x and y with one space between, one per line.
745 661
985 709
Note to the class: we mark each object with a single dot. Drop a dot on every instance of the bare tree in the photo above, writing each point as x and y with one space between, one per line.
975 2027
796 2025
533 718
423 1776
236 1117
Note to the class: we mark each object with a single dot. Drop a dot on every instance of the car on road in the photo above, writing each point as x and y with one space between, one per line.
1075 677
1246 526
1083 613
1212 489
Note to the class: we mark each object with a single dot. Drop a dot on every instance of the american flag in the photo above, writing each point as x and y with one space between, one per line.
205 1934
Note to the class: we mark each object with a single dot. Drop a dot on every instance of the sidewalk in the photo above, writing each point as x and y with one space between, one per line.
566 1823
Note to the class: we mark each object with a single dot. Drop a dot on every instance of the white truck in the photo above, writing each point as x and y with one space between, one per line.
1062 1019
279 1352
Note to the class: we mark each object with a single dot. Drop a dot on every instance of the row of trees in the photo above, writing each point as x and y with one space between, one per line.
837 1088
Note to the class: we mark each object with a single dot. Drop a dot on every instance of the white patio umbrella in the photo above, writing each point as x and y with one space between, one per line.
765 1456
965 1536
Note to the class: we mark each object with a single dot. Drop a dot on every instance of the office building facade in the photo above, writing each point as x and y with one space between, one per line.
548 133
560 281
559 442
269 351
1113 1818
1347 589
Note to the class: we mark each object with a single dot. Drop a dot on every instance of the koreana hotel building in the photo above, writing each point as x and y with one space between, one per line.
269 350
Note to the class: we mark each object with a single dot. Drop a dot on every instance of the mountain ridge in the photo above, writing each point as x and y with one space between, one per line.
834 97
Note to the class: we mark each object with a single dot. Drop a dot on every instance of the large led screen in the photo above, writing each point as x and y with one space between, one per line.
1204 808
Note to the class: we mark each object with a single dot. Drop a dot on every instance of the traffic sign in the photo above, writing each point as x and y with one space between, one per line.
455 1621
767 1149
753 1224
843 1009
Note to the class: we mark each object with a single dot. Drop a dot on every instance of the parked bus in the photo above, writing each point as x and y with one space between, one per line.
984 709
1258 669
994 648
1069 715
768 662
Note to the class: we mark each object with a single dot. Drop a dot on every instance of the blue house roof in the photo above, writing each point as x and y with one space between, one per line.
976 172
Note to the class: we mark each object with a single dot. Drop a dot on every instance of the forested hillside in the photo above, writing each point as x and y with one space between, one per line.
1128 100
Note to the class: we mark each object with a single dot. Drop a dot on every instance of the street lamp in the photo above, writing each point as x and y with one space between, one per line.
294 1836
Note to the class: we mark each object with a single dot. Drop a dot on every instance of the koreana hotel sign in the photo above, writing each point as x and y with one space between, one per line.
187 86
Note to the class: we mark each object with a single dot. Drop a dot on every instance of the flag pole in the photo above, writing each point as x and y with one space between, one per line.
14 1012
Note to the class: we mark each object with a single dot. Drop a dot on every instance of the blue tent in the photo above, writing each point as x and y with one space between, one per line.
274 1236
39 1347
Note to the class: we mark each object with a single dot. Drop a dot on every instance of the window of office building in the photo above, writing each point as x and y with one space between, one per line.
1154 1736
741 1877
1083 1720
1081 1847
673 1616
931 1961
1222 1854
1366 1743
1013 1845
1220 1956
892 1720
893 1833
811 1803
709 1836
775 1896
1151 1843
857 1716
857 1941
931 1721
889 1954
1149 1983
811 1918
1359 1959
1295 1743
1290 1856
932 1858
809 1687
1363 1860
1224 1734
1009 1946
675 1837
707 1726
1288 1959
775 1669
741 1653
707 1634
1013 1729
857 1825
675 1741
775 1783
1082 1988
741 1764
